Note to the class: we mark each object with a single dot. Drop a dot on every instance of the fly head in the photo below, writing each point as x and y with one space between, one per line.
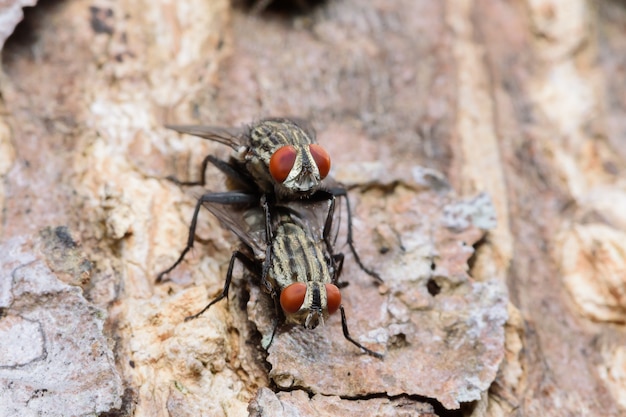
310 303
284 152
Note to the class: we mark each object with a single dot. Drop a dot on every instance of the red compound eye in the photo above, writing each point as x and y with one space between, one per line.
281 162
322 159
333 298
292 297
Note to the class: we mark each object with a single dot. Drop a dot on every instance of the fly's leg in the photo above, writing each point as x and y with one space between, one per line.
328 223
241 179
268 219
275 321
221 198
229 277
337 259
346 334
269 235
273 333
190 239
202 181
341 192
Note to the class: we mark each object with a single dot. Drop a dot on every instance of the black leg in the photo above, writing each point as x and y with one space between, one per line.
229 277
275 321
337 259
268 219
202 180
342 192
346 334
190 239
240 178
220 198
269 235
328 223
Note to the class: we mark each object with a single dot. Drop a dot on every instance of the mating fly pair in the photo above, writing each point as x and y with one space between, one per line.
283 215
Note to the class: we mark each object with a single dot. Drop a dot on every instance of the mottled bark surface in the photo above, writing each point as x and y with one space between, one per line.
484 143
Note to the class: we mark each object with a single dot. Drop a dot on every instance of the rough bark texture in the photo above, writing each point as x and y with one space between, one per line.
485 144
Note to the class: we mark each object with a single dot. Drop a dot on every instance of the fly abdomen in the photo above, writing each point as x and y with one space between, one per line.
296 257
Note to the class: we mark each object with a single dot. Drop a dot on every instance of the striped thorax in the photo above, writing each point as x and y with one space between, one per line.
302 271
286 158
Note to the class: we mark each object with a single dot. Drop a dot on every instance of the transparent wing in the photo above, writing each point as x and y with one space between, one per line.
245 220
236 137
242 214
303 124
233 137
313 216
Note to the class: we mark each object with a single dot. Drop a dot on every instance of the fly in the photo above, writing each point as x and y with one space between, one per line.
290 252
278 158
281 156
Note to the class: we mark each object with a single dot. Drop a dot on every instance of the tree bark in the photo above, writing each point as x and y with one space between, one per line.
483 144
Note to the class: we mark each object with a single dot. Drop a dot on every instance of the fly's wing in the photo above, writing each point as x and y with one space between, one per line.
246 220
306 126
313 217
237 137
301 123
233 137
